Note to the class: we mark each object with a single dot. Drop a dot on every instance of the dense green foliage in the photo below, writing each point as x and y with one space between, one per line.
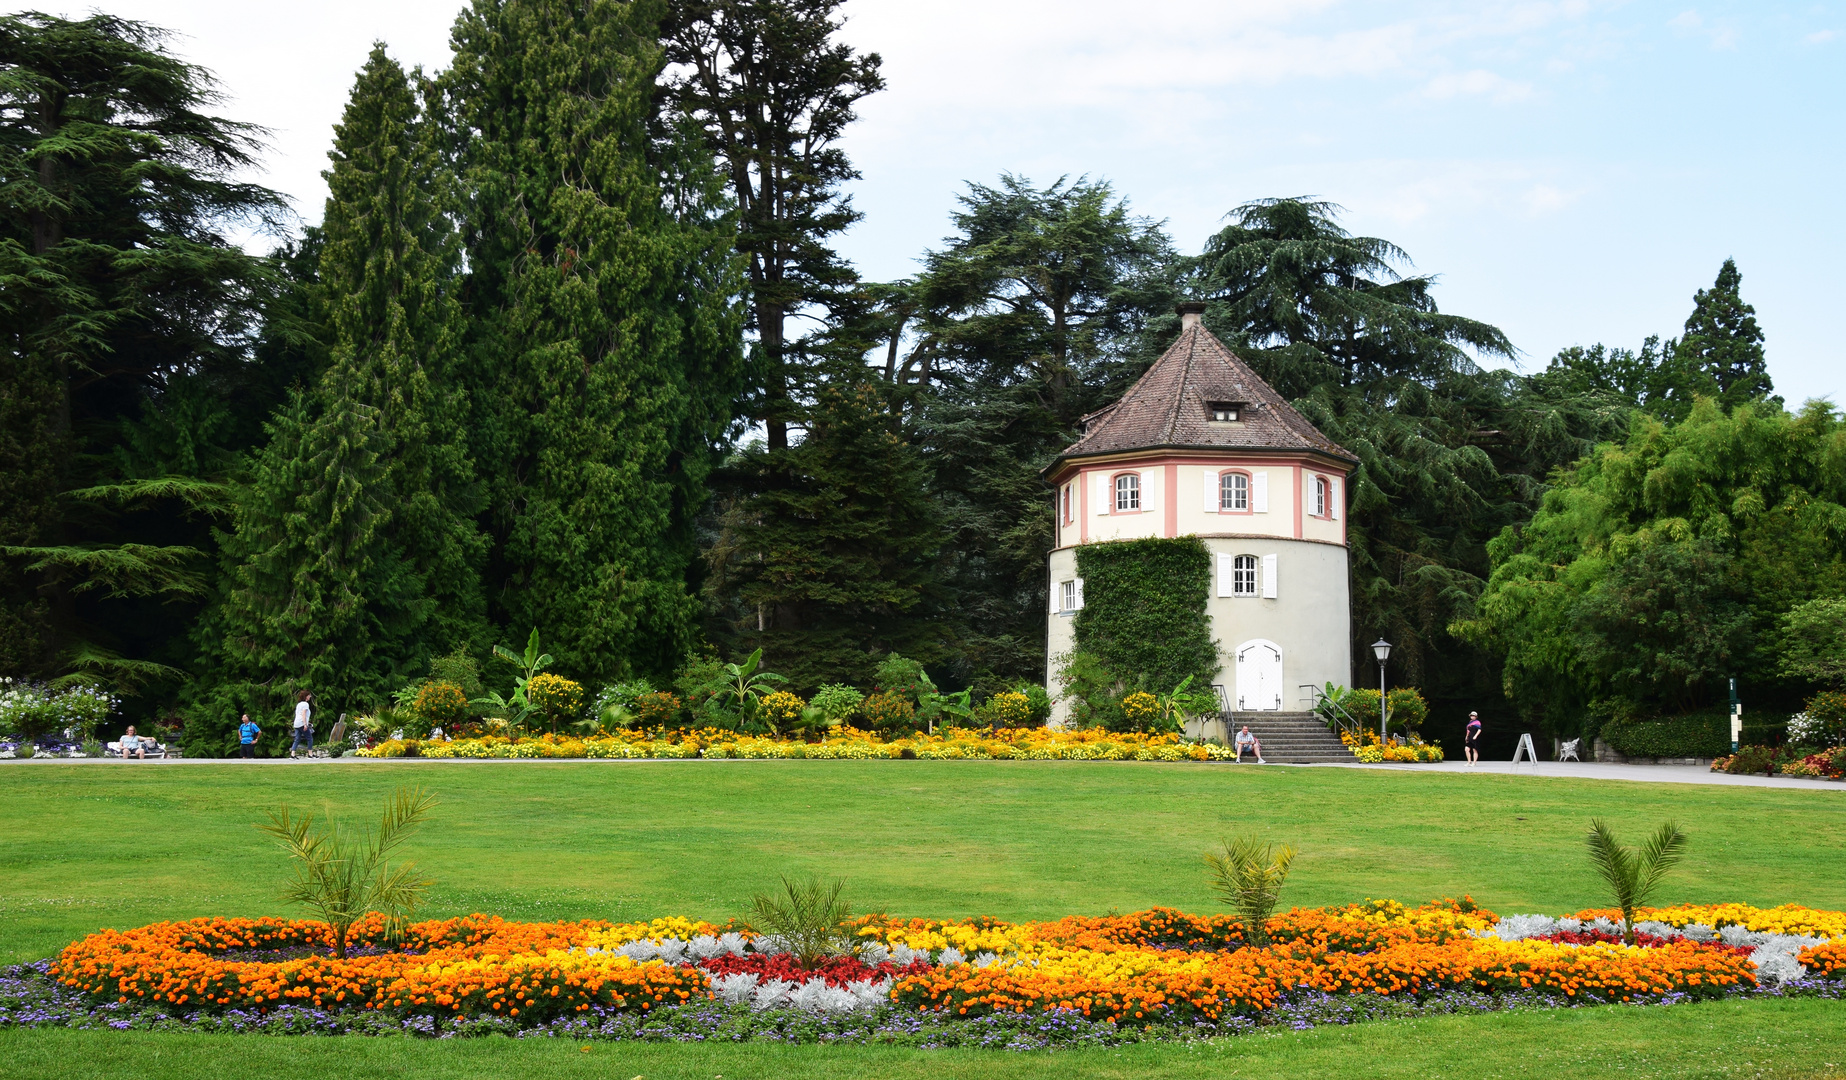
1143 611
1667 562
603 344
1700 734
126 322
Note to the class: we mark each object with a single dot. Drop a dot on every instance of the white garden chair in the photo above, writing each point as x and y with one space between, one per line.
1568 752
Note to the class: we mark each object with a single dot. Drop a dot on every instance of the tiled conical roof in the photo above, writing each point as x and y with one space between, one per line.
1170 407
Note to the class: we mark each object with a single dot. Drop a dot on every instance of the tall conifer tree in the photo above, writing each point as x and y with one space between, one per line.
388 277
1723 347
606 352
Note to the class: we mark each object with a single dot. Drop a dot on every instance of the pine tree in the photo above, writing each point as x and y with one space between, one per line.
388 278
1722 345
605 353
118 288
315 596
834 561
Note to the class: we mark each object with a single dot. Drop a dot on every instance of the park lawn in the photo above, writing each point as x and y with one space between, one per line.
1759 1039
122 844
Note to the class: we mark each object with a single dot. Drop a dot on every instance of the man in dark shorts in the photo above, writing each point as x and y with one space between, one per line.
247 734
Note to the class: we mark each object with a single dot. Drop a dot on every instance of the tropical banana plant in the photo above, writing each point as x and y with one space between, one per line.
746 684
1181 703
1249 877
342 874
1634 876
517 709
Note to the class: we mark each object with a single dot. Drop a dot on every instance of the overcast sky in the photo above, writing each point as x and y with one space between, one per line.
1573 171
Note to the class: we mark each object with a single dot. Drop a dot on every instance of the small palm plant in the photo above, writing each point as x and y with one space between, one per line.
1249 877
1634 875
809 916
344 874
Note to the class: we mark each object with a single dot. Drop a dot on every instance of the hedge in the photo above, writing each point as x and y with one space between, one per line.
1700 734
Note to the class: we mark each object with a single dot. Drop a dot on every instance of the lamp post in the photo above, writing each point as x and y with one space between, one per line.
1382 650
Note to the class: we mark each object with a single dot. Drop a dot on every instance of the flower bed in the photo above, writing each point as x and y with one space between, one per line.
1181 972
984 744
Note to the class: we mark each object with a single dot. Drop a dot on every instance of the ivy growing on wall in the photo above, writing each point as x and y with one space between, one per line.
1144 611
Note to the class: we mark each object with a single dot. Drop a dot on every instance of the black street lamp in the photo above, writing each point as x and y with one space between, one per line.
1382 650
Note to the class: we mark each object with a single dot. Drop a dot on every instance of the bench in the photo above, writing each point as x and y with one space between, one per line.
154 749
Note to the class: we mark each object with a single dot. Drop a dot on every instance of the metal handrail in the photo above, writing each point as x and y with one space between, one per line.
1318 697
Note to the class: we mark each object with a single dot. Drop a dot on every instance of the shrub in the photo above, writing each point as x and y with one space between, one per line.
1822 722
1755 759
809 917
1008 709
1093 691
658 708
886 711
343 874
837 702
555 696
1144 610
904 677
1408 709
29 708
440 703
1701 734
781 709
459 668
1141 710
1038 700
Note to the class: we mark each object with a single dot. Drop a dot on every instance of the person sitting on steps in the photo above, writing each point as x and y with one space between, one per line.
1244 738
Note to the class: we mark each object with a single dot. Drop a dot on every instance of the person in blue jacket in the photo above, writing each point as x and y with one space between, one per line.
247 734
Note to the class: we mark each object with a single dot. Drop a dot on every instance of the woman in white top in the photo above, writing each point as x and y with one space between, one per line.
133 744
304 724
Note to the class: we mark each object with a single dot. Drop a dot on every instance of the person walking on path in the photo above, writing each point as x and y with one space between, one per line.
1471 739
247 734
1243 739
304 724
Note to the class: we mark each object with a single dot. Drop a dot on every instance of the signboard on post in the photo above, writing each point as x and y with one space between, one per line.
1736 717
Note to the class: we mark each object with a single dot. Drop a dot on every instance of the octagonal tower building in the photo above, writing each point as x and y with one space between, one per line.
1202 446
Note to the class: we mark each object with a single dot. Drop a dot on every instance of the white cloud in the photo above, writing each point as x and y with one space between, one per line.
1819 37
1477 83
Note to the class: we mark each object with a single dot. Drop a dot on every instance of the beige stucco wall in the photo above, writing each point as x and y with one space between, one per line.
1309 620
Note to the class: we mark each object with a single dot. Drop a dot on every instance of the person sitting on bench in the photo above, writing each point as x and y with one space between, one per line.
1243 739
134 744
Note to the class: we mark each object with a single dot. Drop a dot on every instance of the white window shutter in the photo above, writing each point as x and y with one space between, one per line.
1259 491
1056 587
1150 491
1333 498
1105 493
1211 492
1269 577
1224 575
1079 594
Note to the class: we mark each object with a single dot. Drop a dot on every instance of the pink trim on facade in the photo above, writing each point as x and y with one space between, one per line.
1171 485
1300 497
1082 481
1225 460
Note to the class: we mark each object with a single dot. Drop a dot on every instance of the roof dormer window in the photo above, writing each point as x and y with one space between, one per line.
1224 412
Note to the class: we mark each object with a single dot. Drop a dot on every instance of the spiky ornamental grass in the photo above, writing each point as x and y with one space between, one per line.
1249 877
808 916
342 876
1633 876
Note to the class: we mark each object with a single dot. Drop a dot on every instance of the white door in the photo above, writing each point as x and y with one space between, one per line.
1259 677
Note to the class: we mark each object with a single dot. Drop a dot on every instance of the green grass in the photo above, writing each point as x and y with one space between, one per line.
1686 1042
122 845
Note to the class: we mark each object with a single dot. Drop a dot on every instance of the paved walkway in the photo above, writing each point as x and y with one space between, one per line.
1569 770
1596 770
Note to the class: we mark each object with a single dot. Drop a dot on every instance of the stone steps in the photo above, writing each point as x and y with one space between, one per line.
1294 737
